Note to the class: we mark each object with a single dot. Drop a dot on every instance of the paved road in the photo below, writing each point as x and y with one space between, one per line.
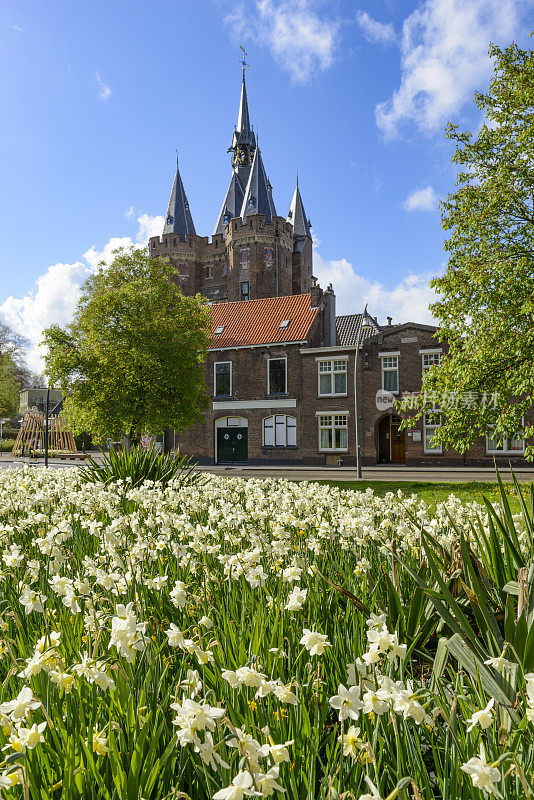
386 473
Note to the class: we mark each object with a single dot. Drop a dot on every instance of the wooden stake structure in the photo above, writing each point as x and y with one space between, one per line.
31 435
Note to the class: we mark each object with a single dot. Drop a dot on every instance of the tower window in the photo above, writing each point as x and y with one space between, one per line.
244 258
208 272
268 256
181 269
170 219
245 294
225 269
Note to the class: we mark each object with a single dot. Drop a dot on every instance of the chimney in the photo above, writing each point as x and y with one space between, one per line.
329 305
316 294
390 319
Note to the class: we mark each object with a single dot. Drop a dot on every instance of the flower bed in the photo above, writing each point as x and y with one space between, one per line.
241 638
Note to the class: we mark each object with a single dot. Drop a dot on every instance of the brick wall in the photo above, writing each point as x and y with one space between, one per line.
223 255
249 382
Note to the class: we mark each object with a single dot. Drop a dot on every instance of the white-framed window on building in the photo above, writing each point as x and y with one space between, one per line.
390 373
244 258
332 377
208 272
431 422
333 432
506 446
222 379
432 359
245 290
280 430
277 376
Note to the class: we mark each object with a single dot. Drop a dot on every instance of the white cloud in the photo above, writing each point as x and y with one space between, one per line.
17 28
53 298
444 59
102 89
421 200
374 31
301 40
408 301
130 213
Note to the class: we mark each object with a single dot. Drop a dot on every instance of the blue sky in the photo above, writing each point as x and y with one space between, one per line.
356 96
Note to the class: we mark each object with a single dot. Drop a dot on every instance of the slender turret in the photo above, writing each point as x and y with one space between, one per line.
178 219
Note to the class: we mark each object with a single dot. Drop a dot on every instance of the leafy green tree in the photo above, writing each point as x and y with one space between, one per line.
132 360
486 296
9 388
14 374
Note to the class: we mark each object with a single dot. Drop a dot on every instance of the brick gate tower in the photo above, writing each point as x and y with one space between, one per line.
253 252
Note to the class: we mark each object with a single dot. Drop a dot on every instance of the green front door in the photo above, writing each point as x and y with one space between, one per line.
232 445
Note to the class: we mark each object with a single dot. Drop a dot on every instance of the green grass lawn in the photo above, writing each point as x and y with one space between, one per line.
433 493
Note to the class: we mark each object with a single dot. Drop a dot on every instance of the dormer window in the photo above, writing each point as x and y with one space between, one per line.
285 323
251 202
170 219
219 329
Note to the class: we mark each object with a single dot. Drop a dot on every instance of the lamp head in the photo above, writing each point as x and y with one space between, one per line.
367 320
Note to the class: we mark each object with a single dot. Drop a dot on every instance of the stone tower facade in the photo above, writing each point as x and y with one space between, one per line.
253 253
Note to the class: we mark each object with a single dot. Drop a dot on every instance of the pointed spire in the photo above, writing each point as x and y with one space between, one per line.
243 118
178 219
297 216
243 141
258 198
232 203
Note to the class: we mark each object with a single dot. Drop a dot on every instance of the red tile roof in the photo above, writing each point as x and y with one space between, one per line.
255 322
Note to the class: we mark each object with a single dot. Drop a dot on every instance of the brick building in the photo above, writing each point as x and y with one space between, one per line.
281 369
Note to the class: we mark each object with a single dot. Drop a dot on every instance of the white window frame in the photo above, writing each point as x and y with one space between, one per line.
274 358
505 450
430 426
430 354
332 372
215 363
281 424
389 356
333 426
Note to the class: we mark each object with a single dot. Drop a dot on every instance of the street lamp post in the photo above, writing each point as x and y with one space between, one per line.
367 322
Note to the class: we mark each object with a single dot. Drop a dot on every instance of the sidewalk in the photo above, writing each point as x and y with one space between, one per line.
393 473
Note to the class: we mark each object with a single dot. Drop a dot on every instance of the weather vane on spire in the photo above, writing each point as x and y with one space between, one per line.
243 61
